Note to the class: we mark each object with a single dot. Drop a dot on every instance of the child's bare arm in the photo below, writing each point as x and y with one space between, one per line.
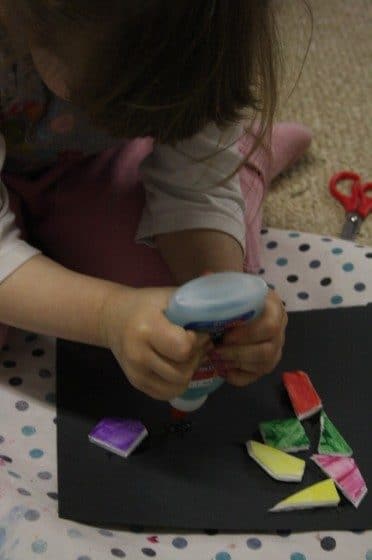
45 297
190 253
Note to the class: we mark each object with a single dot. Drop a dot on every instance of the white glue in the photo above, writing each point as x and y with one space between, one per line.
213 304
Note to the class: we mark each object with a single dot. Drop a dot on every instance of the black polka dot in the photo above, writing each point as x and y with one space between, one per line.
211 532
55 420
44 475
261 271
357 531
271 244
149 552
14 474
38 352
6 458
369 255
359 287
328 543
23 492
105 533
263 231
326 281
118 553
326 239
9 363
15 381
303 295
304 247
314 264
284 532
52 495
2 439
45 373
5 348
292 278
31 337
21 405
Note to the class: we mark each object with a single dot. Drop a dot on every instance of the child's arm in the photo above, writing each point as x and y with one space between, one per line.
43 296
189 253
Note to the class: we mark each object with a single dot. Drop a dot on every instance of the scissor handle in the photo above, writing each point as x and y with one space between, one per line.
349 202
365 202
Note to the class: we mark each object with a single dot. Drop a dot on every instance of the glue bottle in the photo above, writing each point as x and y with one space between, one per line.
213 304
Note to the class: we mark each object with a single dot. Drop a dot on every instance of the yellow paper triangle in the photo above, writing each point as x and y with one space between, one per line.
322 494
276 463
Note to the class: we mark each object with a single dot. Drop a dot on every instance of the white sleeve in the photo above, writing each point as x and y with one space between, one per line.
183 193
13 251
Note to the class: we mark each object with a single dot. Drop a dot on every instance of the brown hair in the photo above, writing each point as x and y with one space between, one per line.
160 68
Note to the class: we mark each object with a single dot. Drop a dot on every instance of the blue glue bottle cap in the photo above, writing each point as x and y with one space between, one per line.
217 297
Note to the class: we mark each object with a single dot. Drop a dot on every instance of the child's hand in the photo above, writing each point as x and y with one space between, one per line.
253 350
158 358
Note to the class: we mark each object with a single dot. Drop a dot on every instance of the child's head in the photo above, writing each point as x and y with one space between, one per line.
163 68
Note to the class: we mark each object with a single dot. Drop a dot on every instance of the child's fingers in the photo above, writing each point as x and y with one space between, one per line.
156 387
161 378
169 371
200 339
170 340
265 327
174 342
261 358
252 353
241 378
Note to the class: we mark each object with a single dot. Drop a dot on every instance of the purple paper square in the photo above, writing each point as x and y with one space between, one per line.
121 436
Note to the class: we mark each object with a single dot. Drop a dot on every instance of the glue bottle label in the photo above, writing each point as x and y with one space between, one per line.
206 378
216 328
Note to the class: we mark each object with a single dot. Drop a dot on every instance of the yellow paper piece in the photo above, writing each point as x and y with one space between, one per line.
276 463
322 494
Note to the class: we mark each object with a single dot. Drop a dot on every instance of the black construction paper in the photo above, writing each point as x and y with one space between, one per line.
201 476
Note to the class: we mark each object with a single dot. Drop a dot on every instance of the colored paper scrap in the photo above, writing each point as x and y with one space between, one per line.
277 464
321 494
287 435
305 400
118 435
331 441
346 475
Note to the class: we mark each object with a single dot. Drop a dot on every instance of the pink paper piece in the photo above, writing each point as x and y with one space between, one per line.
346 475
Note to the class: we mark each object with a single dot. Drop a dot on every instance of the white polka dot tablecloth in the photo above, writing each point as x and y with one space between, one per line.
309 272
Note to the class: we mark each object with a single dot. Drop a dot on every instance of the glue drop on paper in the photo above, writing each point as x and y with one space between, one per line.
213 304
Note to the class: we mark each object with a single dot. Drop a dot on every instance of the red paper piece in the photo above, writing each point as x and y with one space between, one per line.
305 400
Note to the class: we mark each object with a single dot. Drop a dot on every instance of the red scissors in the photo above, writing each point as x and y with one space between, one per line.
357 204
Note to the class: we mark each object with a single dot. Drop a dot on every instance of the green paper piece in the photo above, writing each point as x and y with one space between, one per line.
287 435
331 441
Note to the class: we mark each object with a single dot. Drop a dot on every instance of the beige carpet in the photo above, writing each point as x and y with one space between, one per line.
334 98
